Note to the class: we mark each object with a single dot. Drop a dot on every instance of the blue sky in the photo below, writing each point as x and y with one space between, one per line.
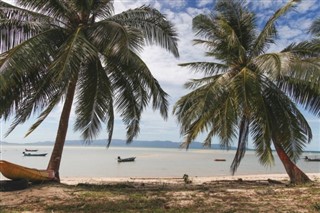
292 28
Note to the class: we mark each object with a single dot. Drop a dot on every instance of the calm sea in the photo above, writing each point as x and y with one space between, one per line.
89 161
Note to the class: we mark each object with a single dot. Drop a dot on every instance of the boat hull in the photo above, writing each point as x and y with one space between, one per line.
126 159
312 159
31 150
218 159
16 172
34 154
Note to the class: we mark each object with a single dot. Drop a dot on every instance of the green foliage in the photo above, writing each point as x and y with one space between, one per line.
247 92
186 179
315 28
316 207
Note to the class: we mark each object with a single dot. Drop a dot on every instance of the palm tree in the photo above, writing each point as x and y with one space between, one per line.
55 51
247 92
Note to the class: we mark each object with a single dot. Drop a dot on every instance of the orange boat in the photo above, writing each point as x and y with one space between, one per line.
16 172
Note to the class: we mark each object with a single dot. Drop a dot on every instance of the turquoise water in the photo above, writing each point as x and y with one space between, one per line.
89 161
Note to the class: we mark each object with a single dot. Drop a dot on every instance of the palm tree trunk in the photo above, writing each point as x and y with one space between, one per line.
295 174
54 163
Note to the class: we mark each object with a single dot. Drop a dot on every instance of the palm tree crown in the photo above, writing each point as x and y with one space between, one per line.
247 91
49 45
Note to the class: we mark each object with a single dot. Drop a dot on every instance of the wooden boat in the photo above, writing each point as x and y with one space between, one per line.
310 159
34 154
31 150
219 159
126 159
16 172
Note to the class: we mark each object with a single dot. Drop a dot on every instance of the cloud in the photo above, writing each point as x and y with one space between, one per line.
176 3
258 5
308 5
201 3
287 32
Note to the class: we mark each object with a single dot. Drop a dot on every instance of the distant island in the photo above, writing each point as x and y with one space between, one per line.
136 143
122 143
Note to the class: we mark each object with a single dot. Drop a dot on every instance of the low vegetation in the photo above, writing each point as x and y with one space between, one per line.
217 196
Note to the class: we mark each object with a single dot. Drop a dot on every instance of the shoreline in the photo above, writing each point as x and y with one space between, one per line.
175 180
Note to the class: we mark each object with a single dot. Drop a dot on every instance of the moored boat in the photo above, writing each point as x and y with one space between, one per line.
16 172
34 154
311 159
31 150
219 159
126 159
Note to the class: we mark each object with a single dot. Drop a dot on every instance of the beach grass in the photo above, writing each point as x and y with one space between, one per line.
214 196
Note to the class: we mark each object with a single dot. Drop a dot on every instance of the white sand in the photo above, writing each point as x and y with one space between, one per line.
195 180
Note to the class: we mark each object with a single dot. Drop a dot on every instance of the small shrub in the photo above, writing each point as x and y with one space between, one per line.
186 179
316 206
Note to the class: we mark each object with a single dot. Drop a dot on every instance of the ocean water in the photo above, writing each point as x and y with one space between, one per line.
90 161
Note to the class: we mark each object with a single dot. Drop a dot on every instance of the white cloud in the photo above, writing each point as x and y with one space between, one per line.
157 5
202 3
308 5
266 4
121 6
289 33
176 3
196 11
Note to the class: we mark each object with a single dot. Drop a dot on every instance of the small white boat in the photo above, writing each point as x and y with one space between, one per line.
34 154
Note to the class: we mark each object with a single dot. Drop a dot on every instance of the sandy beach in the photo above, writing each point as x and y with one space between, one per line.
195 180
240 193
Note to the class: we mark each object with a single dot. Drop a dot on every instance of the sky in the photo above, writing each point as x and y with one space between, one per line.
293 27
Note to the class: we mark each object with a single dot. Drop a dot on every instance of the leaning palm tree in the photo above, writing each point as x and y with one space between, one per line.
55 51
248 93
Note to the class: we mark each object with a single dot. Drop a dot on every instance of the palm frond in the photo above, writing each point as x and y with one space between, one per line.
242 143
303 92
261 135
22 69
228 33
52 102
131 97
18 25
272 64
304 49
269 32
115 40
246 90
208 108
156 29
289 126
204 27
315 27
93 100
102 9
53 8
71 54
207 68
